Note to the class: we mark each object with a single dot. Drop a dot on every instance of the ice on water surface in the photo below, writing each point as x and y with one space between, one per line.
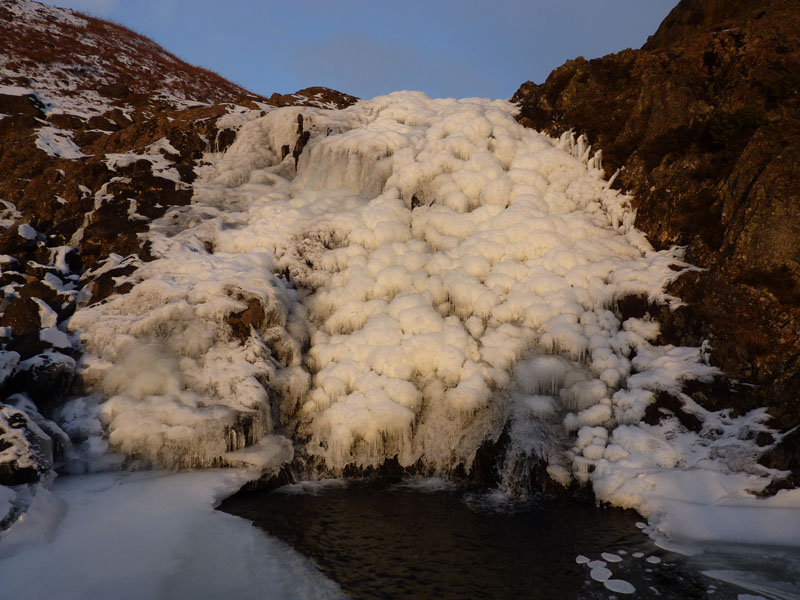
147 535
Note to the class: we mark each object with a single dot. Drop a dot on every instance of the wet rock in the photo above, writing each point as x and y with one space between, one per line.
785 456
666 404
46 379
111 231
225 138
22 315
302 139
26 452
105 284
27 345
253 317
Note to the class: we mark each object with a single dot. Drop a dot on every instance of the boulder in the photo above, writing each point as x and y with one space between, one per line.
26 452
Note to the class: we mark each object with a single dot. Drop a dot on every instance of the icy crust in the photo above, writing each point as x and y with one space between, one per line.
135 536
181 389
429 272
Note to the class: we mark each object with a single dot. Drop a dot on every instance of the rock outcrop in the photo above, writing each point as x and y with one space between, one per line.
703 125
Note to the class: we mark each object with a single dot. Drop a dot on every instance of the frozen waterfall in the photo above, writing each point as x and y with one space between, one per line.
415 277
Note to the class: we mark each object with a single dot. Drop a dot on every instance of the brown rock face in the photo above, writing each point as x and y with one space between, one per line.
704 124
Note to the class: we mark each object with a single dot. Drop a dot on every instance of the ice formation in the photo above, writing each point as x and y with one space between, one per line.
421 275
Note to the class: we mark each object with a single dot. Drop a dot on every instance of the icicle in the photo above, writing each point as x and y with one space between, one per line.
612 179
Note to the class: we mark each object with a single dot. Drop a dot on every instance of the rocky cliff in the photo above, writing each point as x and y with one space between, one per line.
702 126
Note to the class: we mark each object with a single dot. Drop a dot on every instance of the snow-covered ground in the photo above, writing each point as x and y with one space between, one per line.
428 272
149 535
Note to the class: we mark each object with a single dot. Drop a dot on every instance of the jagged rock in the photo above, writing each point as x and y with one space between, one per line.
46 379
785 456
24 104
104 285
26 452
114 90
22 315
704 123
252 317
314 96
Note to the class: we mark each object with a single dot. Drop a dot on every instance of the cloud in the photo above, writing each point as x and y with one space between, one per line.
365 66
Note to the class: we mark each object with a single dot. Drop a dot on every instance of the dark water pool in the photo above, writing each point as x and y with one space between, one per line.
425 539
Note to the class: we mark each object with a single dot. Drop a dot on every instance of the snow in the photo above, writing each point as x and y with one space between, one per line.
15 90
746 520
600 573
7 497
54 337
619 586
27 232
57 143
8 362
41 16
156 153
149 535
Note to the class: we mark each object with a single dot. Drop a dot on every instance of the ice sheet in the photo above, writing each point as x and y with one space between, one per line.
154 535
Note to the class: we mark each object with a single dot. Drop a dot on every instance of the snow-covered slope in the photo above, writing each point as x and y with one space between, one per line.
64 57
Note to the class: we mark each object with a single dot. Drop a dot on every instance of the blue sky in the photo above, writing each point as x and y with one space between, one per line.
366 48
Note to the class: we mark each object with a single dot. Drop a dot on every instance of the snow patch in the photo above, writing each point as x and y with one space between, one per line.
57 143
